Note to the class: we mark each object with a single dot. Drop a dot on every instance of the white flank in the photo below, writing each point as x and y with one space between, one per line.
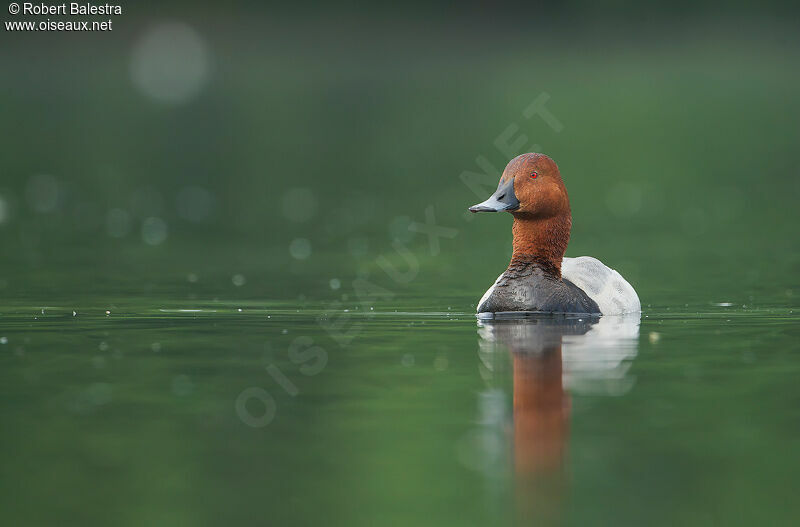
613 295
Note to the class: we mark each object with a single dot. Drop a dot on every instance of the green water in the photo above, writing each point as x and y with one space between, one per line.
229 310
133 418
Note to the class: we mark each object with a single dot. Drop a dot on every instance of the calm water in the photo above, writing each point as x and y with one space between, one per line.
247 412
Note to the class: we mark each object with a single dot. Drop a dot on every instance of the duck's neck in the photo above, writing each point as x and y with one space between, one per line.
541 242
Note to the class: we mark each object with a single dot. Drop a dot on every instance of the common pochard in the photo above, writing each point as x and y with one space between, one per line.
539 277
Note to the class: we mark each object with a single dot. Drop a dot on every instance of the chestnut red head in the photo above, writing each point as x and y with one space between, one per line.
531 186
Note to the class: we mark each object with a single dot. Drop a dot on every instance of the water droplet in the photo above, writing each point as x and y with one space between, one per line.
335 283
238 280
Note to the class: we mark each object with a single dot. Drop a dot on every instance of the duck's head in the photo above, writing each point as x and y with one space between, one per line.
531 187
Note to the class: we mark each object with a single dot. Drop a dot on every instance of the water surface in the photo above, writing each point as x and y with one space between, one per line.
241 412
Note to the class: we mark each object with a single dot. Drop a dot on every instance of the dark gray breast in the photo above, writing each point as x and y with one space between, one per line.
532 289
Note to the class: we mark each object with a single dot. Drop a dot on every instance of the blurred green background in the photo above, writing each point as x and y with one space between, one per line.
250 162
205 140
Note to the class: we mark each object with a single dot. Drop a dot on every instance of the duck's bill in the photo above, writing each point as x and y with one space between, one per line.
503 199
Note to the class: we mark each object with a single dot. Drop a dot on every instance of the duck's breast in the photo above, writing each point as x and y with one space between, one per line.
488 292
613 295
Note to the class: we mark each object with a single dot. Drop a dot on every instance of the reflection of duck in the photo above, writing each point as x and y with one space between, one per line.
539 278
546 353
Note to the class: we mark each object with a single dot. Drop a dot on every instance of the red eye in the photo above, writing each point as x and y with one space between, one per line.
534 175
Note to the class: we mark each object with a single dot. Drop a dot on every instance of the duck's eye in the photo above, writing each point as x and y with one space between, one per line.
534 175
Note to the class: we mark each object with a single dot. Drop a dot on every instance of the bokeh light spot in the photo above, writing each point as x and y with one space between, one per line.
300 248
170 63
154 231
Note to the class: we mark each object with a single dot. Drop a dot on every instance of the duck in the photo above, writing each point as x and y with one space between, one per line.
539 278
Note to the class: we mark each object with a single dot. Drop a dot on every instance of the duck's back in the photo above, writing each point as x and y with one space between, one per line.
530 289
613 295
